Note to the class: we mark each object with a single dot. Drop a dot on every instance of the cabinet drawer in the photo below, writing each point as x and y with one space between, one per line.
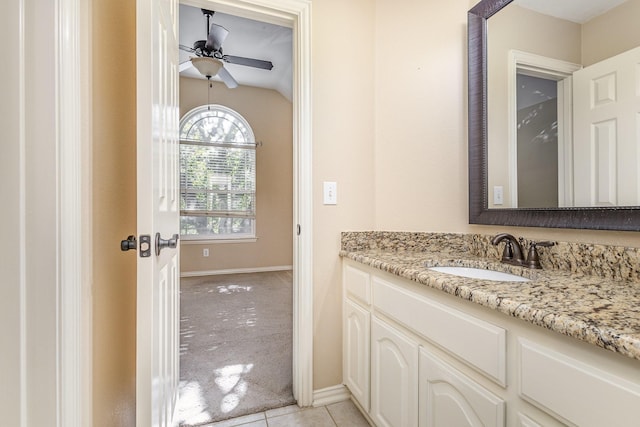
472 340
580 393
357 284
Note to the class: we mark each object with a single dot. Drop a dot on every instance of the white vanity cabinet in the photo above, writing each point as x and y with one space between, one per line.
416 356
387 365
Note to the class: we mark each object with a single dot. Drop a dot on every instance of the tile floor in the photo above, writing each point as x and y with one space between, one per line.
341 414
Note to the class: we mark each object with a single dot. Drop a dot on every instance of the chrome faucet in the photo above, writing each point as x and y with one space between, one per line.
513 253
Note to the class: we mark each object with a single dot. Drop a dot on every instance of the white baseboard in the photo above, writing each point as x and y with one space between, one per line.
329 395
236 271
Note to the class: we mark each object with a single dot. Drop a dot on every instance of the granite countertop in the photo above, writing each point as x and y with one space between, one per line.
601 311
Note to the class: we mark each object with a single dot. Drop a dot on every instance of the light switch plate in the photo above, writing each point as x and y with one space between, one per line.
330 193
498 196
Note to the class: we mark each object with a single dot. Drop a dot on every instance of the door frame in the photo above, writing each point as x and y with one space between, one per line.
295 14
75 164
551 69
72 97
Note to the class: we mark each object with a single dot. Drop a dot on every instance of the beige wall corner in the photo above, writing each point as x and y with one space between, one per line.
620 25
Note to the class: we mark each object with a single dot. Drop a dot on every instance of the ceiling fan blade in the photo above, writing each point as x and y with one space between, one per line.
227 78
186 48
216 37
184 65
249 62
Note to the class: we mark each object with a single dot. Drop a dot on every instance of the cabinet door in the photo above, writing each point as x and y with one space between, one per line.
356 352
394 377
450 398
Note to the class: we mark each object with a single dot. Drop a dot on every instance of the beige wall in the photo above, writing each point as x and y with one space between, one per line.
114 208
612 33
271 118
420 140
343 98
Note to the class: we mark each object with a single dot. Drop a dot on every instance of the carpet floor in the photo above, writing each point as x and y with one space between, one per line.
235 346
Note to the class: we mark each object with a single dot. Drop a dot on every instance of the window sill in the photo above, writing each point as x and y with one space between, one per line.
186 241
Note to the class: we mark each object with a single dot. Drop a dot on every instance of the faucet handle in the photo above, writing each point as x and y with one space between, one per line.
507 253
533 259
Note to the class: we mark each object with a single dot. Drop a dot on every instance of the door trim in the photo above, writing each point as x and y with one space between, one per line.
73 165
297 15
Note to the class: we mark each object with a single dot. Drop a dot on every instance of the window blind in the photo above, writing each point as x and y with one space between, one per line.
217 179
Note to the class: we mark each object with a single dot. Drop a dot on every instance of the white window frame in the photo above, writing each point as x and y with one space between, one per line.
250 139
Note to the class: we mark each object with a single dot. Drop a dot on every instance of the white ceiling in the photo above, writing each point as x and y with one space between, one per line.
578 11
248 38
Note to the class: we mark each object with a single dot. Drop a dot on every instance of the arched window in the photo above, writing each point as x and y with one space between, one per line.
217 174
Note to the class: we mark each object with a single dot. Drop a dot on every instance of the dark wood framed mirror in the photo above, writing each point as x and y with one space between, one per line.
602 218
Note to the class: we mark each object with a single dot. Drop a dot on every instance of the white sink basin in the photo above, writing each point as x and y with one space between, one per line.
479 273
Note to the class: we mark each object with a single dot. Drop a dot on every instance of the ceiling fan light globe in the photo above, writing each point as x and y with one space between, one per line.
208 67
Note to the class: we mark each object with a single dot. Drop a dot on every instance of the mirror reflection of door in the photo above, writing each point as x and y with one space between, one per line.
607 132
537 141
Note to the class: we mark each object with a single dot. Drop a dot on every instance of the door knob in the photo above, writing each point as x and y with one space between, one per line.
162 243
129 244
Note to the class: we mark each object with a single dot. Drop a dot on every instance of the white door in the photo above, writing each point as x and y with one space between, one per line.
394 377
607 132
449 398
157 365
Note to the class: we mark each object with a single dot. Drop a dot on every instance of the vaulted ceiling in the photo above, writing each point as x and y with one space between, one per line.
247 38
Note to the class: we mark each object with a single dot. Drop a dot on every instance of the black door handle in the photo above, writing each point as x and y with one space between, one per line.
129 244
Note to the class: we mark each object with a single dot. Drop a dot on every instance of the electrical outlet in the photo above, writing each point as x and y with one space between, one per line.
498 198
205 252
330 193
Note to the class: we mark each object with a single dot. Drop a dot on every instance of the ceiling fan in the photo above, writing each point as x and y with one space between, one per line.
209 58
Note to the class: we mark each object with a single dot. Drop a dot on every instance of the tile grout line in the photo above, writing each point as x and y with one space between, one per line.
330 416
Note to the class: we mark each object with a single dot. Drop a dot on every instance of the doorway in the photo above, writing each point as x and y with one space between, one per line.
540 130
226 275
537 141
